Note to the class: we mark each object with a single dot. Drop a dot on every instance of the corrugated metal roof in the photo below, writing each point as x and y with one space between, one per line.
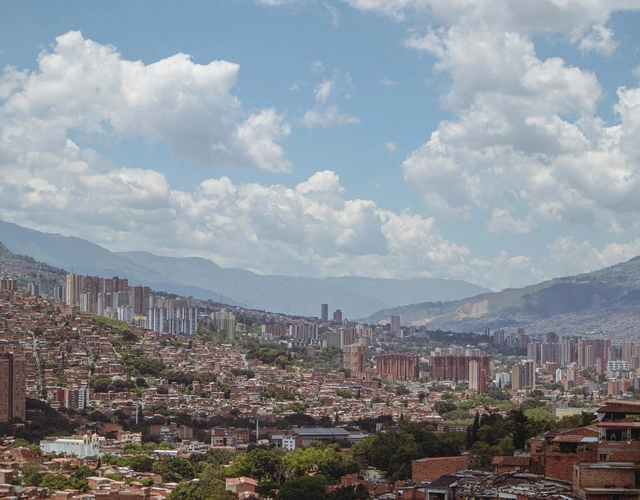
575 439
321 431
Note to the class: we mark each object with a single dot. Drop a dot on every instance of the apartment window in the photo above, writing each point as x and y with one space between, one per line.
603 457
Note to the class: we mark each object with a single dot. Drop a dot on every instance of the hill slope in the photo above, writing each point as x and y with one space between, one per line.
27 270
605 300
204 279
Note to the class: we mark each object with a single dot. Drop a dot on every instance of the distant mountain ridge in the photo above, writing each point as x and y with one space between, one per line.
202 278
606 300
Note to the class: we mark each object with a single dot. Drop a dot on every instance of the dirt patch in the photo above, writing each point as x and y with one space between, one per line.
473 309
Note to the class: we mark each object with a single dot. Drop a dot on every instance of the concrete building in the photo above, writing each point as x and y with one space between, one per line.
324 314
477 377
354 359
87 302
616 366
523 374
225 321
75 284
335 339
456 367
304 331
12 387
140 296
396 327
289 443
8 285
80 446
398 366
125 313
277 330
306 435
337 316
175 321
60 293
77 398
591 349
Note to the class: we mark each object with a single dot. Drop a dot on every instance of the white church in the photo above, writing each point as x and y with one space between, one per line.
79 446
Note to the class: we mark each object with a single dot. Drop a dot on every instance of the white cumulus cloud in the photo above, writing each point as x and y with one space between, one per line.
50 182
325 111
333 13
81 84
526 128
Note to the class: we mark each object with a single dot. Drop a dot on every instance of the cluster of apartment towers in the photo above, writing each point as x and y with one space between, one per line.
567 357
114 298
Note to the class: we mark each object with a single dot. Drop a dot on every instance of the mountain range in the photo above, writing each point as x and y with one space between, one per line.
604 302
204 279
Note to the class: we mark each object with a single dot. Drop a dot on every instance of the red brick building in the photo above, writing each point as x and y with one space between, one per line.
430 469
456 367
13 387
398 366
510 464
607 480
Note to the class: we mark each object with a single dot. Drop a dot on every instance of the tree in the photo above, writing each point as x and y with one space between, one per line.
82 472
481 456
475 427
327 460
390 451
187 491
57 482
357 492
140 463
259 464
31 474
393 451
519 430
267 489
305 487
176 469
442 407
100 383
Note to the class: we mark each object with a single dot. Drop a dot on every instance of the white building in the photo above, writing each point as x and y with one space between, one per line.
125 313
614 366
79 446
289 443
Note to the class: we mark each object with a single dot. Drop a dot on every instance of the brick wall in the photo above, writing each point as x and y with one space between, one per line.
587 476
559 465
620 451
410 493
430 469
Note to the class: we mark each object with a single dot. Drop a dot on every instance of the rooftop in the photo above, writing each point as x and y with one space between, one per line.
321 431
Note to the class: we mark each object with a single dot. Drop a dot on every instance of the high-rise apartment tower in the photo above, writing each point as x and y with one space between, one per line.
12 387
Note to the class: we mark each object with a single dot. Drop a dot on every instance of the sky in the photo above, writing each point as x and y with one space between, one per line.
493 141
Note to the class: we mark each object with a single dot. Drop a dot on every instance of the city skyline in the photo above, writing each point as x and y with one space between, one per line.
378 138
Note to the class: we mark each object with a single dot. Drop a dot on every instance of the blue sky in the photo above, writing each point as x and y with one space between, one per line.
477 139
